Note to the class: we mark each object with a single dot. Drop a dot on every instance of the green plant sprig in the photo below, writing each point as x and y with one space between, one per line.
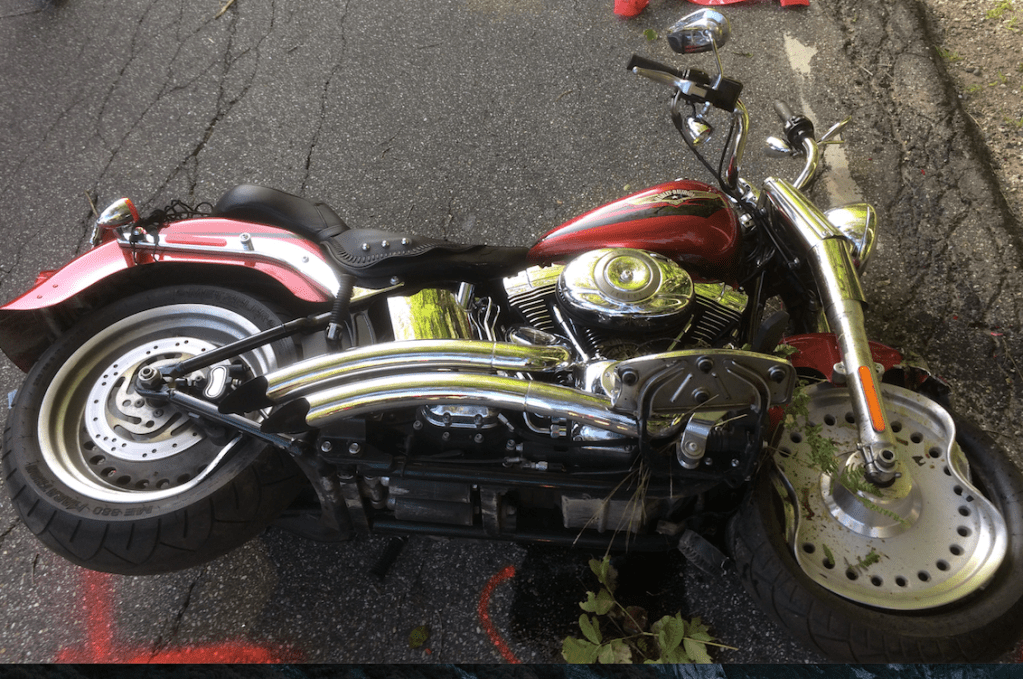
668 640
1000 8
824 454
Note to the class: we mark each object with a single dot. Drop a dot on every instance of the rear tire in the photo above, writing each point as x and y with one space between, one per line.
116 484
981 626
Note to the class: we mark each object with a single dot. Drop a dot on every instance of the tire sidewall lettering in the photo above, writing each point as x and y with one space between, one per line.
53 491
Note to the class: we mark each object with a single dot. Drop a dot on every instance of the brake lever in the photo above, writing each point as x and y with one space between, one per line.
834 131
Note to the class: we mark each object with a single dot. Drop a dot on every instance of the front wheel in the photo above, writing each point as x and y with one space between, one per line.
909 575
115 483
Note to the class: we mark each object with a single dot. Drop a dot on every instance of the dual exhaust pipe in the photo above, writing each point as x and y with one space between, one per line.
408 373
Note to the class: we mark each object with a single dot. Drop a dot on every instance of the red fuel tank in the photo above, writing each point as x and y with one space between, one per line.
685 220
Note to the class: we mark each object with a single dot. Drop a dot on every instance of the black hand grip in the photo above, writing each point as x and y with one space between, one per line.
797 126
783 110
698 87
725 93
642 62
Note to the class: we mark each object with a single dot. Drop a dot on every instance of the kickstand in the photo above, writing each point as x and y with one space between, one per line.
390 555
702 554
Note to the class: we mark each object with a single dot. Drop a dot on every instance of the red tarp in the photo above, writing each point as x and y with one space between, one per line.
784 3
630 8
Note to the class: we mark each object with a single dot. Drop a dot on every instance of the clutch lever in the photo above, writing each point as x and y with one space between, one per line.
834 131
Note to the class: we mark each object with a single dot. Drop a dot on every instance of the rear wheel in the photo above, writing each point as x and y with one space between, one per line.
860 585
115 483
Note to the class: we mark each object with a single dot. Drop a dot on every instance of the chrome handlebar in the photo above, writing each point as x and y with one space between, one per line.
736 146
813 157
810 149
695 87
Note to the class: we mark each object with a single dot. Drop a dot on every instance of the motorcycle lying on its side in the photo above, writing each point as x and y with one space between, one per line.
621 383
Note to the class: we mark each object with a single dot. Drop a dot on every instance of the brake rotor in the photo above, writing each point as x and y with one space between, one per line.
926 541
132 443
122 423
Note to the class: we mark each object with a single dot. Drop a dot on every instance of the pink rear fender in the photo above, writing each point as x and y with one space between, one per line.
29 322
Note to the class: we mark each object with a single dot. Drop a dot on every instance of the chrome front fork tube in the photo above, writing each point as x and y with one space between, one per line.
827 253
845 318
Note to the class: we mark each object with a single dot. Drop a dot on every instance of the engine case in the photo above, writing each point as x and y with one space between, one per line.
716 310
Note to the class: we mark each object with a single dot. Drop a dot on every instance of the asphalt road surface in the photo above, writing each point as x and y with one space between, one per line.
481 120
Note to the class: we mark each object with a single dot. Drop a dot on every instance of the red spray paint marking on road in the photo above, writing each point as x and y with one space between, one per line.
97 607
483 609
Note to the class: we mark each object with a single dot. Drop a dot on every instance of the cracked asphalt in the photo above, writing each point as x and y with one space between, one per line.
484 120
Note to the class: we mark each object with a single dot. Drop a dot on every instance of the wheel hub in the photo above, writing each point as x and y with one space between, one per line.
123 424
928 540
105 442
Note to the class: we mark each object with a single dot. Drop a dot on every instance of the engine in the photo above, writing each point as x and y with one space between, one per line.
623 289
606 305
619 303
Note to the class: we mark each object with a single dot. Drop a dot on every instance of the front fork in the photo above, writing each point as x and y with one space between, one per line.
827 252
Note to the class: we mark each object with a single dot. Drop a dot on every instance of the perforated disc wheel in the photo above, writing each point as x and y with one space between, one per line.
119 484
928 571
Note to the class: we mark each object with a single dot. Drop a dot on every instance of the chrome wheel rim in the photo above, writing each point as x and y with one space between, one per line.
928 541
104 441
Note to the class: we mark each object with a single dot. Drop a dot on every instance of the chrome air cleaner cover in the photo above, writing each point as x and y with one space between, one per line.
625 288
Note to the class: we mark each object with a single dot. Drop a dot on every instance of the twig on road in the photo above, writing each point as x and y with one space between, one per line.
224 8
91 204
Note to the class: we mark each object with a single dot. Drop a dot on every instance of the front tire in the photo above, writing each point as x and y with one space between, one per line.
979 626
116 484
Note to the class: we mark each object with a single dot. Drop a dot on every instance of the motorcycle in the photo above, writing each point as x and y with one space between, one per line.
684 368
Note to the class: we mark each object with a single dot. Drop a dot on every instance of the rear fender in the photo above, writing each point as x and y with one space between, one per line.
276 254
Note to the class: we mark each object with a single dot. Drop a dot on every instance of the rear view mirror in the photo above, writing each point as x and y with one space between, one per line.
701 31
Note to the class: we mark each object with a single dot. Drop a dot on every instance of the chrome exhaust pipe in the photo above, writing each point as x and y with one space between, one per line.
381 394
407 356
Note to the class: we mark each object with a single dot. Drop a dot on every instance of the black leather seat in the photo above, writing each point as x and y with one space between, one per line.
374 257
262 205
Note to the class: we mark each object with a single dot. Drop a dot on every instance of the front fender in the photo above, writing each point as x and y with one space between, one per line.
819 351
287 258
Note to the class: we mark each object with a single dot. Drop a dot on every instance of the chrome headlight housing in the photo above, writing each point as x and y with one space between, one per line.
858 224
